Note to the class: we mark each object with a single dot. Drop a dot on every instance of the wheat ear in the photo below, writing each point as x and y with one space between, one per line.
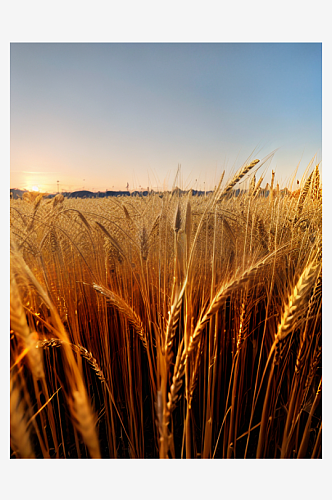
19 324
252 185
36 206
299 293
173 319
238 176
58 199
316 194
85 421
304 194
88 356
125 309
19 435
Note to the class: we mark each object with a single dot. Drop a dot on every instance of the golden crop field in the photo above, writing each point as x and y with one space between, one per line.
168 326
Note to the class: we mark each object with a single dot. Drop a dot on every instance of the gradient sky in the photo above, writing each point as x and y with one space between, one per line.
101 115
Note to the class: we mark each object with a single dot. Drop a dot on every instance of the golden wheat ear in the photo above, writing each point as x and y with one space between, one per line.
252 185
316 192
85 421
122 306
238 176
19 434
296 299
304 194
20 326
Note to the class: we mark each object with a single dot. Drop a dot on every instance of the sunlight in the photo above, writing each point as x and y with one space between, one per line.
35 188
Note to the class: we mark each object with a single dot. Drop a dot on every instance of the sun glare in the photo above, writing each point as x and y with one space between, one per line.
35 188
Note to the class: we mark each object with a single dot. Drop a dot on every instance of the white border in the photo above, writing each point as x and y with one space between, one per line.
283 21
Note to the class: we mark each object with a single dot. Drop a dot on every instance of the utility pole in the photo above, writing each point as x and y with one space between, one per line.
58 187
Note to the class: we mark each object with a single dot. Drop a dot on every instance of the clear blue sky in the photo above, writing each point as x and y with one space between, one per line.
101 115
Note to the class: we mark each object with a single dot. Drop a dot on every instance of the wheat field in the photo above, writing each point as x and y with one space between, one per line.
168 326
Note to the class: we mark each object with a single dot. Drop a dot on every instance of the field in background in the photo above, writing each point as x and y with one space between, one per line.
169 325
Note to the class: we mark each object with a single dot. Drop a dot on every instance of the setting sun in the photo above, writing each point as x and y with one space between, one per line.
35 188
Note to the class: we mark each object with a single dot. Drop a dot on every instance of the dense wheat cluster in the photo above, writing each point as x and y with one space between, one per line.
171 326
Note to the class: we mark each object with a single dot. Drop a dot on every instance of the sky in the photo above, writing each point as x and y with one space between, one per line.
100 115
